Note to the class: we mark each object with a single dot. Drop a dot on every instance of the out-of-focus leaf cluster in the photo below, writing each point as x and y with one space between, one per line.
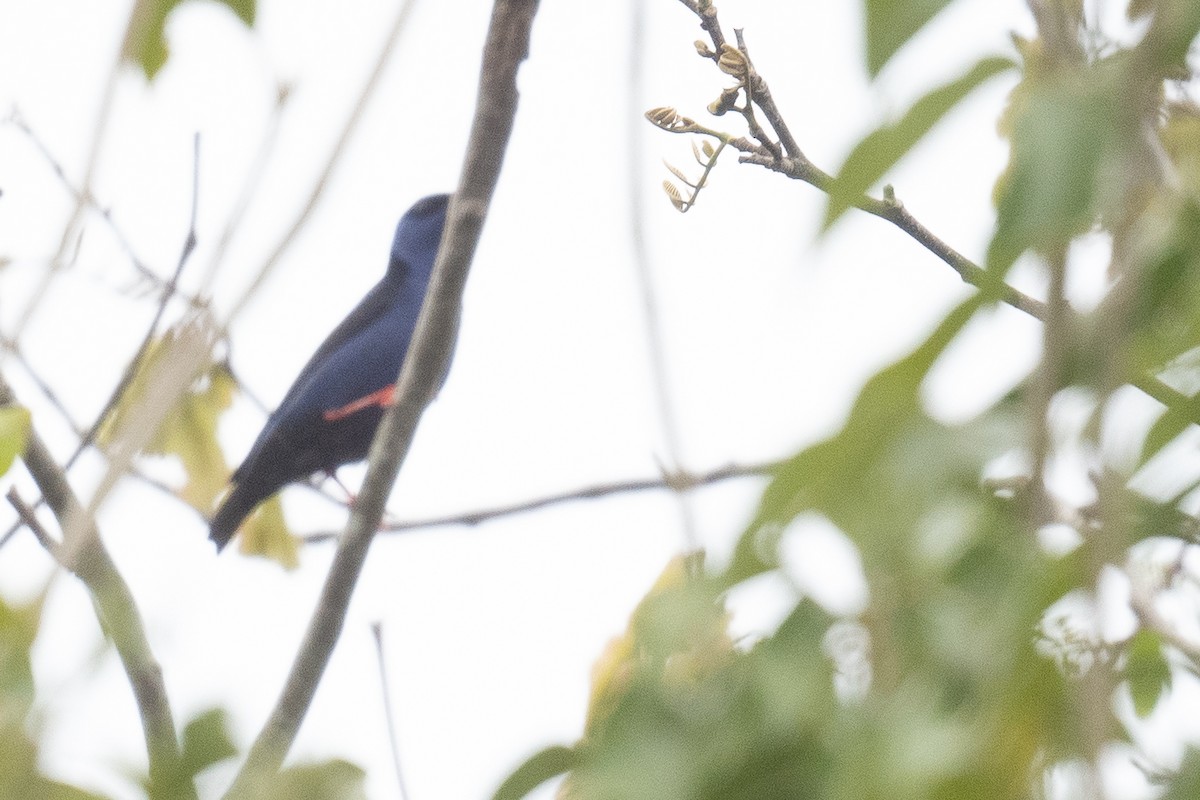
977 681
959 702
20 774
205 739
189 433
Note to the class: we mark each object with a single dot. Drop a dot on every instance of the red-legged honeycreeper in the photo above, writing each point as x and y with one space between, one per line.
329 415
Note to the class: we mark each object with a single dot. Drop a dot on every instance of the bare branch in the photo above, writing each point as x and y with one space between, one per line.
88 200
656 346
679 482
28 517
506 47
250 184
799 167
388 711
82 198
760 96
708 21
131 369
168 291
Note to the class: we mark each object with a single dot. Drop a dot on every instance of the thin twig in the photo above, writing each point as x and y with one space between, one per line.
28 517
99 132
748 79
760 95
20 123
168 292
388 711
799 167
679 482
655 345
331 162
250 185
708 21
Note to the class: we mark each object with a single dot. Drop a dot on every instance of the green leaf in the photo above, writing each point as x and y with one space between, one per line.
18 627
14 432
145 43
747 726
1068 130
1174 421
206 741
190 432
1176 23
829 476
1185 785
1164 315
680 619
20 776
882 148
244 9
891 23
266 534
1147 671
537 769
329 780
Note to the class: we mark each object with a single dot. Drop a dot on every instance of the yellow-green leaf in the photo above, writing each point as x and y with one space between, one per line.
266 534
191 434
145 43
14 432
329 780
189 430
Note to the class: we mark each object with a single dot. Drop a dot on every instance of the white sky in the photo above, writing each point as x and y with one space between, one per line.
490 632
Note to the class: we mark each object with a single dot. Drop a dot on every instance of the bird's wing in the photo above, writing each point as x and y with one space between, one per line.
368 311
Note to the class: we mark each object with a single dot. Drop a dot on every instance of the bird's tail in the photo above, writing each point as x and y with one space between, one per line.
234 509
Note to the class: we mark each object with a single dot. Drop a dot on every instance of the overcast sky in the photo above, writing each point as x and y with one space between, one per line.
490 631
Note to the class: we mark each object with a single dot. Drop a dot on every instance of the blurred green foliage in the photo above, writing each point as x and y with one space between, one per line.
981 667
877 153
968 683
20 774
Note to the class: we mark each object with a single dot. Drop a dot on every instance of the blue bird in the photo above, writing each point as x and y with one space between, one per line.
329 415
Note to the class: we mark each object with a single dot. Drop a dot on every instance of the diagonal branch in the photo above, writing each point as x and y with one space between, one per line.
506 47
797 166
115 608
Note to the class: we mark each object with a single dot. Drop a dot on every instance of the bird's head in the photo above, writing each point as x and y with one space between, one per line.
417 236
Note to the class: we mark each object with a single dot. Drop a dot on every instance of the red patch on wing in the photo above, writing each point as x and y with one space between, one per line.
382 398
